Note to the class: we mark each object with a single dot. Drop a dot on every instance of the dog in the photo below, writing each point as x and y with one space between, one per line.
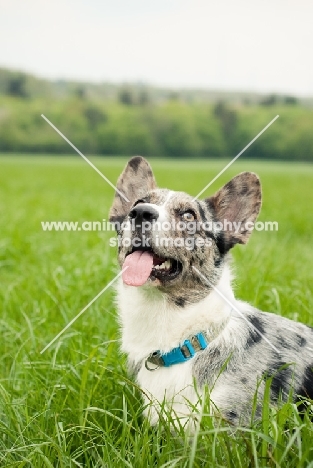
182 328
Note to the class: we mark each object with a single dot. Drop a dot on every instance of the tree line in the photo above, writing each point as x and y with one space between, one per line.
133 120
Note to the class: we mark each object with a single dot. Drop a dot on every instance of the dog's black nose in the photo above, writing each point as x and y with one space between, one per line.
144 212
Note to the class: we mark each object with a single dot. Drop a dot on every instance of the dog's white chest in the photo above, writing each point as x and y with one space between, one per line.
149 324
173 385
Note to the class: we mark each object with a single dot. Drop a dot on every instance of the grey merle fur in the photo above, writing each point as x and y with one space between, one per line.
237 364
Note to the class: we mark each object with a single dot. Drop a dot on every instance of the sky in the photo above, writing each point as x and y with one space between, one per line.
246 45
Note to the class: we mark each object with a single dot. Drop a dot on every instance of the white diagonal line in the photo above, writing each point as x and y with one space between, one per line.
235 308
84 157
236 157
82 311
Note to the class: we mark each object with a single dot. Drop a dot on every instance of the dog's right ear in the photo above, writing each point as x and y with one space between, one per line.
239 201
134 183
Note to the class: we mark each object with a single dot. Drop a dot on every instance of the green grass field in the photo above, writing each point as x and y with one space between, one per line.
74 405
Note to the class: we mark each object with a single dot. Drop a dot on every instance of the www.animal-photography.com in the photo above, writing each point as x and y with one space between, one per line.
156 239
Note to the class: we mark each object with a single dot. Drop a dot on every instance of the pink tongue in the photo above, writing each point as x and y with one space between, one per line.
139 268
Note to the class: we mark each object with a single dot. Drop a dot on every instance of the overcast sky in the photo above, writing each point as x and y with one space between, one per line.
257 45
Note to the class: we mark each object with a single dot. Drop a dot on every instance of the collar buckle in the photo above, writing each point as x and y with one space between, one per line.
154 361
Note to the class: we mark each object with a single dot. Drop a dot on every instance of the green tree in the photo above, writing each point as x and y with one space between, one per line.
126 97
17 86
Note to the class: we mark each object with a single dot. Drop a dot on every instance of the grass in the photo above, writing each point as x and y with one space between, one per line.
74 405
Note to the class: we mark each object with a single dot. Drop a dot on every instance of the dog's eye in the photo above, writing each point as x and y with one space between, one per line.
188 216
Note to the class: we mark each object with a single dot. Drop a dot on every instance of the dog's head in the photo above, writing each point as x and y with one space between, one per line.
174 242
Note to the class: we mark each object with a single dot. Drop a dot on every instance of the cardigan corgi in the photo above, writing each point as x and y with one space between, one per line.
182 328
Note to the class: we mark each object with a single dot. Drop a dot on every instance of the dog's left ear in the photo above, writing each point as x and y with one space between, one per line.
236 206
135 182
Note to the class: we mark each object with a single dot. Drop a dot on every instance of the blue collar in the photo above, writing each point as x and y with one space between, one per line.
177 355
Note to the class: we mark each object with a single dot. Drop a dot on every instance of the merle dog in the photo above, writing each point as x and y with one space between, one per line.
182 328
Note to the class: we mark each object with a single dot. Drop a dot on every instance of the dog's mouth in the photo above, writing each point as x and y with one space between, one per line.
141 265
